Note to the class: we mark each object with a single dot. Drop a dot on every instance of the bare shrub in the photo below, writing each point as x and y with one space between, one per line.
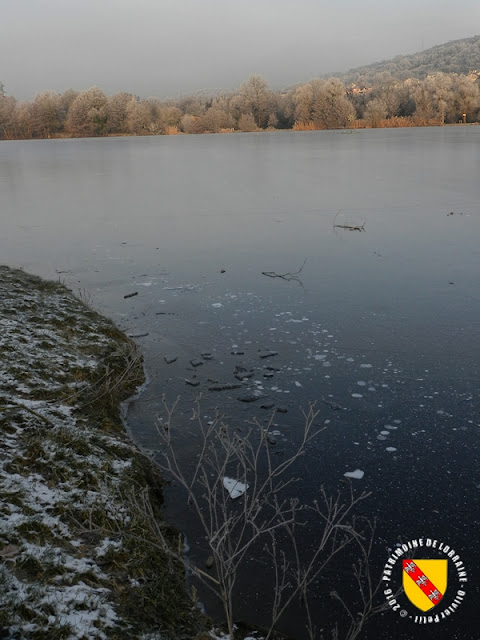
306 126
262 516
397 122
171 131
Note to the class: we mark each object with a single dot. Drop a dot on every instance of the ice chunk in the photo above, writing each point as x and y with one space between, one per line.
357 474
234 487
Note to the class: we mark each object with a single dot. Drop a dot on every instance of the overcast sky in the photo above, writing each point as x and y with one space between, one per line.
171 47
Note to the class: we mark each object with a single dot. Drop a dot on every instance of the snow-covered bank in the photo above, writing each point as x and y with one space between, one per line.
78 558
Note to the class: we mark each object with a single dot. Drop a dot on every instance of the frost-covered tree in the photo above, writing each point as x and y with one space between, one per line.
466 97
117 112
216 118
441 88
303 101
386 91
257 99
246 122
8 118
138 117
47 115
88 114
424 105
375 112
191 124
331 108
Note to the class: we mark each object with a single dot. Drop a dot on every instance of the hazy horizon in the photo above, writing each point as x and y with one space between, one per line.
165 48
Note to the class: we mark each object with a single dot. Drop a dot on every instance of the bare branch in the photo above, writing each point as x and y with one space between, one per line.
264 515
349 227
286 276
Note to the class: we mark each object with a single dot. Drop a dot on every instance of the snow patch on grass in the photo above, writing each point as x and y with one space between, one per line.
64 462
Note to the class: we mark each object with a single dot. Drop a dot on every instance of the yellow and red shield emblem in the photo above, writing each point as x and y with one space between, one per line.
425 582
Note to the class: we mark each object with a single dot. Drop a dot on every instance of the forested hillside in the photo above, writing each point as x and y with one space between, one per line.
458 56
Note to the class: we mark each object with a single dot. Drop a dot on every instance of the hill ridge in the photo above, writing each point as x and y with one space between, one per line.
456 56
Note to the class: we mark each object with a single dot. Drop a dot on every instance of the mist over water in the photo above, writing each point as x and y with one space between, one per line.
380 327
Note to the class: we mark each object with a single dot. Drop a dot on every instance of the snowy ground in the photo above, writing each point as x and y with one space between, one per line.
77 559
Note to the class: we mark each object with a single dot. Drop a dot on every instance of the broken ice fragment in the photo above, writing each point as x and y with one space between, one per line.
248 397
267 354
224 387
357 474
267 405
234 487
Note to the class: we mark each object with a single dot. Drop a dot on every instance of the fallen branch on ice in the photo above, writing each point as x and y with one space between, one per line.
350 227
286 276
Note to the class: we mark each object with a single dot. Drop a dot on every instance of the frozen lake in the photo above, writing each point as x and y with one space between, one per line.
380 327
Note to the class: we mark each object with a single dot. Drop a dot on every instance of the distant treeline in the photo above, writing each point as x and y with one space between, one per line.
319 104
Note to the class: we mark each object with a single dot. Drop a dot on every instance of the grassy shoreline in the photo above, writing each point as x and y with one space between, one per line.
78 558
